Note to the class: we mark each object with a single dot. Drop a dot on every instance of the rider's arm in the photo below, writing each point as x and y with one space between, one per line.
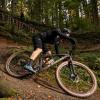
57 45
64 36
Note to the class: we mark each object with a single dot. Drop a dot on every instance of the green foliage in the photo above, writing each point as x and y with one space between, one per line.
92 60
19 35
22 37
82 24
6 90
9 27
72 4
79 14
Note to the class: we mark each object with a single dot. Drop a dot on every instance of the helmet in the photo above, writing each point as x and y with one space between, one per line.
66 31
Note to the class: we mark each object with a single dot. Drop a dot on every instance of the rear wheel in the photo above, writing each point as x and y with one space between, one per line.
83 85
15 63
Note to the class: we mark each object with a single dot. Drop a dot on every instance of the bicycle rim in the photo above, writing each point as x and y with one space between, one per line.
15 63
85 83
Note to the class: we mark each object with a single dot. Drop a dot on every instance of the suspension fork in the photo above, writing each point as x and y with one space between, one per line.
72 70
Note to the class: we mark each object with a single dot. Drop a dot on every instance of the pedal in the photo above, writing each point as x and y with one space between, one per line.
36 69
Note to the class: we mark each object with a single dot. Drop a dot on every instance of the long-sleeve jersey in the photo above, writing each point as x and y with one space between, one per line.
51 35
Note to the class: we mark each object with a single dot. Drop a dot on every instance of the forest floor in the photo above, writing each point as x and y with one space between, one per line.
29 88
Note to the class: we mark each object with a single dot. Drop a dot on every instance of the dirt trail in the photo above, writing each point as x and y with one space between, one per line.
28 87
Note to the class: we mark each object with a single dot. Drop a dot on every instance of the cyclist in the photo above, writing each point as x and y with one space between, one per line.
49 37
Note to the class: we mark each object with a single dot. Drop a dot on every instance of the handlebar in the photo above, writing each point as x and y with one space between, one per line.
73 45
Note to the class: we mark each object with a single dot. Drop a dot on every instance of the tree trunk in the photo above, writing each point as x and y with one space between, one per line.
60 16
56 14
86 9
95 16
3 3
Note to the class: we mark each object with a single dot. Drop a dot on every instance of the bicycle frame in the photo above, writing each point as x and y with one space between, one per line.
65 57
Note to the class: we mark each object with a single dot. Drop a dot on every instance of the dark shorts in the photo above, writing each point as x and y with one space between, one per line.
38 43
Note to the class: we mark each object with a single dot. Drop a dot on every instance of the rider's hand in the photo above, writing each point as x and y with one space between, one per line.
49 53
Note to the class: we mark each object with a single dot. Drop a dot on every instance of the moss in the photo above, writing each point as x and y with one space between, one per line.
92 60
6 90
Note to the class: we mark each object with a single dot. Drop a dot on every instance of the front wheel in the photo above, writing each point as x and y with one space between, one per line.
83 85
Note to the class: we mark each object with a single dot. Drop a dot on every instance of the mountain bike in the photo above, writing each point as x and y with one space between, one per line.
73 77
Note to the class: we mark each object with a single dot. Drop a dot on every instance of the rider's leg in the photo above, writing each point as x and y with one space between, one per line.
36 53
38 45
37 42
46 51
